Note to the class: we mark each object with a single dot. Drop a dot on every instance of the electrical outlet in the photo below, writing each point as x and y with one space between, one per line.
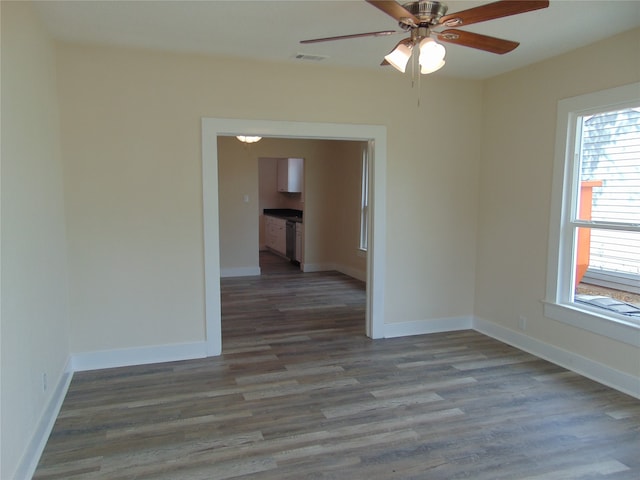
522 323
44 382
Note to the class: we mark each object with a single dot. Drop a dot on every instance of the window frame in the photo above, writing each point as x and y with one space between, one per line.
558 303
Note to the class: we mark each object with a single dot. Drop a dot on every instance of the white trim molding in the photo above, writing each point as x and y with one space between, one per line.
353 272
621 329
318 267
33 452
239 272
586 367
375 135
423 327
559 304
137 356
327 267
596 371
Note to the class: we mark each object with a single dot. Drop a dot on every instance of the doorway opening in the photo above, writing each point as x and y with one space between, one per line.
375 135
281 204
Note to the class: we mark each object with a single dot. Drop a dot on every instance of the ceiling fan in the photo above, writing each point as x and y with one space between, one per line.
420 18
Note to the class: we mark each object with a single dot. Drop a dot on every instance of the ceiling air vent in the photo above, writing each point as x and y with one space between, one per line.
307 56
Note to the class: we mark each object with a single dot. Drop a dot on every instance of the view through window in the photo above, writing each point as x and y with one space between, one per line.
605 217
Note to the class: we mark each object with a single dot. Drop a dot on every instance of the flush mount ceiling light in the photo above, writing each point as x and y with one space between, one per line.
248 139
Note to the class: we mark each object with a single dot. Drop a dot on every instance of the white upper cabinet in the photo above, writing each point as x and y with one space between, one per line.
290 175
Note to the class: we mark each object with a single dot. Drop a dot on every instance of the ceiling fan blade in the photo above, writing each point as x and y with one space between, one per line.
396 11
382 33
475 40
491 11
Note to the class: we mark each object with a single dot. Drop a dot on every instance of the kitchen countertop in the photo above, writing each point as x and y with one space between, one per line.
286 213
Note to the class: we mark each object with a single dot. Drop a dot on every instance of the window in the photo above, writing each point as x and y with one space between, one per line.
364 201
594 261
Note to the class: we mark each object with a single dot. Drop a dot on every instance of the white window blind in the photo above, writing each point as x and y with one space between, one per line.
610 164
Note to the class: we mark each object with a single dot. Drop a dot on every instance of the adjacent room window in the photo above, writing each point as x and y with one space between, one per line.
594 264
364 201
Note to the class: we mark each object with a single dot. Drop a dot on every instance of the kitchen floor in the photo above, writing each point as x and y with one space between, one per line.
272 264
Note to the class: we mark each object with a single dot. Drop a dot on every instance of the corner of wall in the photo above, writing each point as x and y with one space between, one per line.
33 452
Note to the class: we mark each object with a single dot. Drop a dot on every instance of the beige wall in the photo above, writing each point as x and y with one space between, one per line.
238 220
347 160
519 135
130 138
34 331
131 144
331 200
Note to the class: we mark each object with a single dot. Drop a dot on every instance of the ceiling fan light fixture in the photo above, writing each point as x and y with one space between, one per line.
425 69
418 17
248 139
431 56
400 56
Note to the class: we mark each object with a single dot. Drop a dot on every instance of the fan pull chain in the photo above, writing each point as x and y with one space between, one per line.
419 85
415 76
415 67
413 72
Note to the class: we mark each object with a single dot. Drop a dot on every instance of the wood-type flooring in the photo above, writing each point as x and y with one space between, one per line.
301 393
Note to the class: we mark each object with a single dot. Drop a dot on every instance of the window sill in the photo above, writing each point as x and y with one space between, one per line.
619 329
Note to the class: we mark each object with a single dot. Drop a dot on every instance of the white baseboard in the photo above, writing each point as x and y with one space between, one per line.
604 374
92 361
422 327
326 267
353 272
29 462
166 353
137 356
318 267
611 377
239 272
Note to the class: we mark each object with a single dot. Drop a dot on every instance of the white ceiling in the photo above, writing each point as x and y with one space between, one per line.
271 30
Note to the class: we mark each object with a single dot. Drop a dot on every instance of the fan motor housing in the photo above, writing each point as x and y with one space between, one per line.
427 12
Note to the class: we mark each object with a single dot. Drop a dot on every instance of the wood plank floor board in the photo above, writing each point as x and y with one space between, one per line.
301 393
